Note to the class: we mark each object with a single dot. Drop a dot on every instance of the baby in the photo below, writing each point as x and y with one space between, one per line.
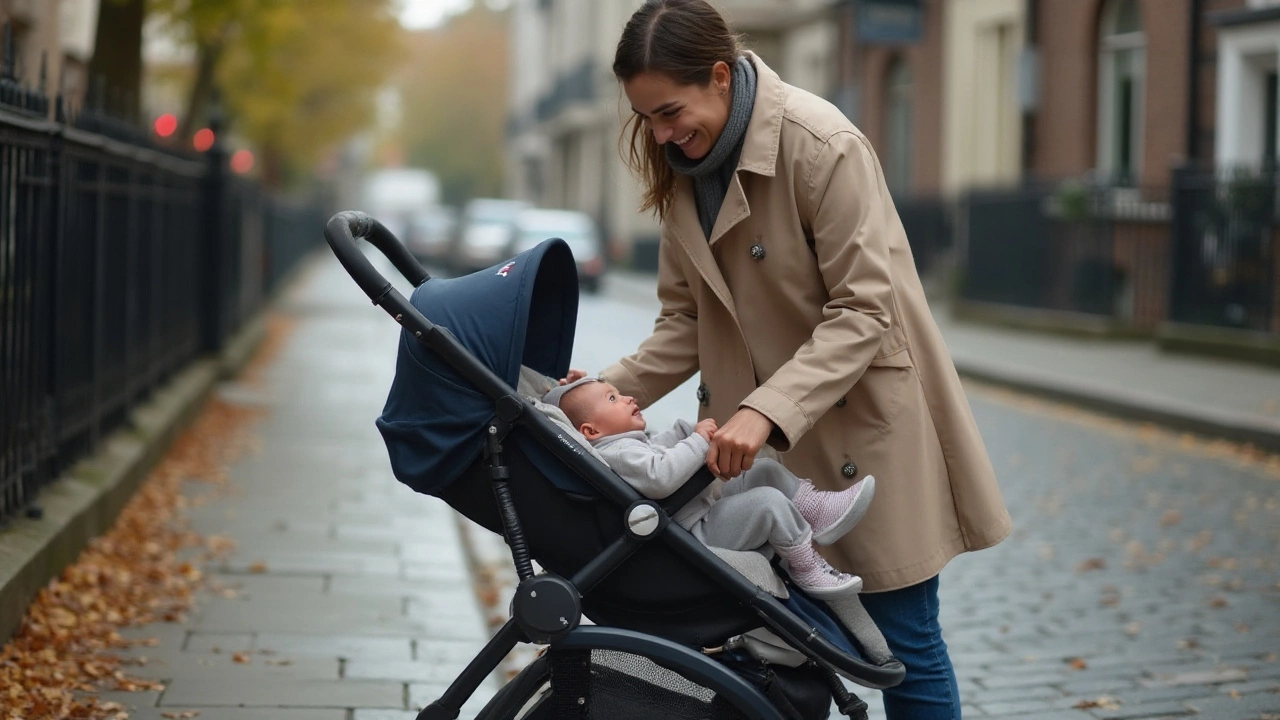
766 504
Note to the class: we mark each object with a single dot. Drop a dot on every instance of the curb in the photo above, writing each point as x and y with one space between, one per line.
84 501
1128 404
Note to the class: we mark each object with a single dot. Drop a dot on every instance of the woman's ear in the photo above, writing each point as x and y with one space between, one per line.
721 76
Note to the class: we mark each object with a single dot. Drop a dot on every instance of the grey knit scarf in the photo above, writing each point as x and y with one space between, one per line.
712 174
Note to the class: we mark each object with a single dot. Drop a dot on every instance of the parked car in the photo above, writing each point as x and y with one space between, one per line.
430 232
575 228
484 233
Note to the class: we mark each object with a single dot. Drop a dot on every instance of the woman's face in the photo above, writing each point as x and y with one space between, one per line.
690 116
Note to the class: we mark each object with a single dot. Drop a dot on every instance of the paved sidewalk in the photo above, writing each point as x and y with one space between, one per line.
1235 400
349 596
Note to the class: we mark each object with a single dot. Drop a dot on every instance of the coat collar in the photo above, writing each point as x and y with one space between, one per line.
760 146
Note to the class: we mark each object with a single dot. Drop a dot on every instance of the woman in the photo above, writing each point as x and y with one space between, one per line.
785 278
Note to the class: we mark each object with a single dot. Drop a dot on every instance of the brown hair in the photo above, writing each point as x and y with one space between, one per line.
682 39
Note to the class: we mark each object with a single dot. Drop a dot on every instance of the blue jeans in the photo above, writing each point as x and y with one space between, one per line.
909 620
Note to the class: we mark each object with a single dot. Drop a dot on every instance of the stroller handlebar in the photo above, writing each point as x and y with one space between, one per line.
341 232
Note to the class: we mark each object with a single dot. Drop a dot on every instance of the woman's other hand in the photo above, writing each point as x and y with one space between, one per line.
574 375
734 446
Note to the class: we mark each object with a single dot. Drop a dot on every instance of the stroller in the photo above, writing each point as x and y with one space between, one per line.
678 630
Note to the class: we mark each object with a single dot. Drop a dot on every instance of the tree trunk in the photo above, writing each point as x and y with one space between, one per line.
198 102
115 72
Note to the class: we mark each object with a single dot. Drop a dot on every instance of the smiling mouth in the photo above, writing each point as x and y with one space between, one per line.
685 140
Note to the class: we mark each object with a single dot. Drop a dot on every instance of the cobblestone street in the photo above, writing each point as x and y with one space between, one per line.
1141 579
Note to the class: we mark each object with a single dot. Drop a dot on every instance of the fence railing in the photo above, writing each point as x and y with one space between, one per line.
114 274
1088 249
1226 245
1204 251
928 222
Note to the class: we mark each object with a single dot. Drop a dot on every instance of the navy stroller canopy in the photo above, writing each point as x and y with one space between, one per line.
520 312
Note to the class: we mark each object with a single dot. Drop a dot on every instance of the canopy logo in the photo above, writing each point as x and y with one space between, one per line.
506 269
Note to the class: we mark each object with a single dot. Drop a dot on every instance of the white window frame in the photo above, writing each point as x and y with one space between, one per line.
899 141
1111 44
1245 54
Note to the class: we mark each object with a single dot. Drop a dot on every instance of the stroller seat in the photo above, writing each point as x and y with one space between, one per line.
457 428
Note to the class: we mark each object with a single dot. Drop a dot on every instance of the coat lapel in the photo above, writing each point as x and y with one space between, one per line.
687 232
733 210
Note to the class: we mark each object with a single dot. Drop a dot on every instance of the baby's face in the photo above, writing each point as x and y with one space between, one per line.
611 411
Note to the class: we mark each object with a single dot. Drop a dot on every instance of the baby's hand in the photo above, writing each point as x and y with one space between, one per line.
706 428
574 375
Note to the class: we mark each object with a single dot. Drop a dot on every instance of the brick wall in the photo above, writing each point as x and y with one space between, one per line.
925 60
1142 250
1066 132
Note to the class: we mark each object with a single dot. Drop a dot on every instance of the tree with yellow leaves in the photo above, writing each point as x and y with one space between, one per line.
296 78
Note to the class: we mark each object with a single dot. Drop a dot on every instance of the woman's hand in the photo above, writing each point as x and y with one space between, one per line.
734 446
574 375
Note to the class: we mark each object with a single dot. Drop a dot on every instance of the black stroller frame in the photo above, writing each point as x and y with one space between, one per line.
546 608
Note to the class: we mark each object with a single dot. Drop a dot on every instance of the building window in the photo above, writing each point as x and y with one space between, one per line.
1122 61
898 126
1248 102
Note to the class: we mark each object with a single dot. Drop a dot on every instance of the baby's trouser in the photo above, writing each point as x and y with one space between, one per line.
764 473
746 519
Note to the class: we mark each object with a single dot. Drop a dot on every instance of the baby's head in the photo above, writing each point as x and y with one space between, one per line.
596 408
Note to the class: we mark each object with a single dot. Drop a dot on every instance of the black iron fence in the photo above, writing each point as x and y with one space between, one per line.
928 223
1067 247
120 262
1226 245
1204 251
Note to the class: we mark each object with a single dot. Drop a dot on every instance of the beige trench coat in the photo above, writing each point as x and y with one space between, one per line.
805 305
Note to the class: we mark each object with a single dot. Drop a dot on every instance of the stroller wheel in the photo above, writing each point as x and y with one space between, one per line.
521 696
607 685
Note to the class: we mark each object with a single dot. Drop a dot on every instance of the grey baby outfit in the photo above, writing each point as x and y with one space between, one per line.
744 513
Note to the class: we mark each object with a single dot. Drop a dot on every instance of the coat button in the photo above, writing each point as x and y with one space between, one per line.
849 470
704 395
757 252
841 402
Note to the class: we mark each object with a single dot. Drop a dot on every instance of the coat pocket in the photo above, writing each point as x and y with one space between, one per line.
881 392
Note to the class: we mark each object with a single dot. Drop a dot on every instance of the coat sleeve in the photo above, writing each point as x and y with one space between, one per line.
656 472
843 201
672 435
669 356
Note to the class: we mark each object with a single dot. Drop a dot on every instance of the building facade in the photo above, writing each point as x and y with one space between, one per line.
1112 161
52 42
889 73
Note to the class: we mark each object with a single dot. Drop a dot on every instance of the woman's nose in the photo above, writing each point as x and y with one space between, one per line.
661 133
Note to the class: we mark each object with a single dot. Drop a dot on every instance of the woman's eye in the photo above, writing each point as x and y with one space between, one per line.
670 113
